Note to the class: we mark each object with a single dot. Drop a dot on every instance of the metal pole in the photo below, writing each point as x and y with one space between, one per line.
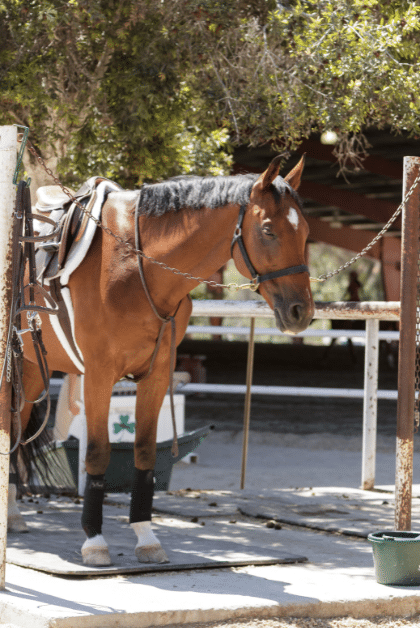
8 153
247 407
407 348
370 405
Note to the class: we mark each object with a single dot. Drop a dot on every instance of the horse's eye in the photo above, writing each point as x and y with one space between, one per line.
267 231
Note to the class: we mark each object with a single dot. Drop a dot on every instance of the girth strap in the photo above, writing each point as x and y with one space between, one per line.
237 239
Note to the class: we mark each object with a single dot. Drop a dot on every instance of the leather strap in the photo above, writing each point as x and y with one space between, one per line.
164 321
25 256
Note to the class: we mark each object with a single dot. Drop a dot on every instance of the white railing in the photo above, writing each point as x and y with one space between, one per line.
370 311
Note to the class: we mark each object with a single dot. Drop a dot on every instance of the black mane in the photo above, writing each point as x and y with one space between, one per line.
198 192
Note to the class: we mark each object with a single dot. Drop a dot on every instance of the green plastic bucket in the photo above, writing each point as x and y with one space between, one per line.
396 557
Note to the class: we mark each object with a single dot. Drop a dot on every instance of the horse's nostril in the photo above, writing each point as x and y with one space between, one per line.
296 312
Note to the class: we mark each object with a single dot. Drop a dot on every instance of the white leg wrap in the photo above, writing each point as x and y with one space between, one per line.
148 548
95 551
144 533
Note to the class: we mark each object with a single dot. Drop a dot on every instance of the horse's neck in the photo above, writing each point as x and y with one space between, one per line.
195 242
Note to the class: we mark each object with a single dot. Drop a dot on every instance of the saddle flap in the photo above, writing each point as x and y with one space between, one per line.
74 222
73 228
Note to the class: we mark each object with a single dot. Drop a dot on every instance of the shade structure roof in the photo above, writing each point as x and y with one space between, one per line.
348 211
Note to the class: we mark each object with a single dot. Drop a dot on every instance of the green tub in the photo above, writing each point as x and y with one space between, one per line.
118 477
396 556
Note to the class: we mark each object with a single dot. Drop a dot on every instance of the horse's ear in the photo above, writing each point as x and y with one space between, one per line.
295 175
267 177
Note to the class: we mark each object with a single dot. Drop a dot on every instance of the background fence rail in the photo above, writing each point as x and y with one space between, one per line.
372 312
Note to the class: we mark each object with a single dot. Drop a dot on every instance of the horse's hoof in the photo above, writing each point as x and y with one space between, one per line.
151 554
96 557
16 523
95 552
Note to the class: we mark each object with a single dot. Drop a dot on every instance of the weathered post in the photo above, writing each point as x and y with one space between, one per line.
247 405
407 348
8 146
370 405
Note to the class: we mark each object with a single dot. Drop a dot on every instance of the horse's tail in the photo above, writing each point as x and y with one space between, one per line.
37 466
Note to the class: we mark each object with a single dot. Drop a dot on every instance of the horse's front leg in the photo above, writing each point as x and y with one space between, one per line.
150 395
97 391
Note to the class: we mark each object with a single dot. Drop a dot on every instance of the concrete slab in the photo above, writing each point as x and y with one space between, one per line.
338 580
348 511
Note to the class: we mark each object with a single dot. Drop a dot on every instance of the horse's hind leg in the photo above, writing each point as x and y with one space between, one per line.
97 398
150 395
33 386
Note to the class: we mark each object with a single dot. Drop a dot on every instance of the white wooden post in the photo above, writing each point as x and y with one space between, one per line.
370 404
247 406
82 443
8 159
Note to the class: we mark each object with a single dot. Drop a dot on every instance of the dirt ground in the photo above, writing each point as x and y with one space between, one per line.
293 365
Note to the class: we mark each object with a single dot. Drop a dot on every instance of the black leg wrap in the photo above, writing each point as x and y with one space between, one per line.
92 505
142 496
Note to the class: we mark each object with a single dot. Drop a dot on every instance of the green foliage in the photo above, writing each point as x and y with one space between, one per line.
354 64
102 87
140 91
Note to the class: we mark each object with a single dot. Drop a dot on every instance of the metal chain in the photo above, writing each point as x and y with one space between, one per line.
129 247
230 286
9 363
378 236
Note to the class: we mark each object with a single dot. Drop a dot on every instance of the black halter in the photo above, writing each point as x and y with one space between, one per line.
257 279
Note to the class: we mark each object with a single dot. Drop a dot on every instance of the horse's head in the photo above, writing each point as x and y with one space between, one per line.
273 235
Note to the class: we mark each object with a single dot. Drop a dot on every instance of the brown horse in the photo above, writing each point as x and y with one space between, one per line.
190 223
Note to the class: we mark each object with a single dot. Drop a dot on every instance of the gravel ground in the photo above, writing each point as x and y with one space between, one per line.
295 622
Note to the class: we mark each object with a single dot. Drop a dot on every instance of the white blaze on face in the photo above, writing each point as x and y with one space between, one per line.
293 218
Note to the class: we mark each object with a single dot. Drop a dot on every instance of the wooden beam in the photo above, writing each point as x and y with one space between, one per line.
348 201
377 165
344 237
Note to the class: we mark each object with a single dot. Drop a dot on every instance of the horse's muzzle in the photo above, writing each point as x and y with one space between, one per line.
293 315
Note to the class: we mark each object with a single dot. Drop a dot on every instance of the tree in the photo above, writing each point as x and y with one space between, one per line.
99 85
139 91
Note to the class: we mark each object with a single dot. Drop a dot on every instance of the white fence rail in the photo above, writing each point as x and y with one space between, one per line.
370 311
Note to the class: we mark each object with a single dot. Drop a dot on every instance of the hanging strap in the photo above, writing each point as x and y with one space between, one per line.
164 321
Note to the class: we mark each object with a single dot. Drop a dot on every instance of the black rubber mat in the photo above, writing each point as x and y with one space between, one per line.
55 538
